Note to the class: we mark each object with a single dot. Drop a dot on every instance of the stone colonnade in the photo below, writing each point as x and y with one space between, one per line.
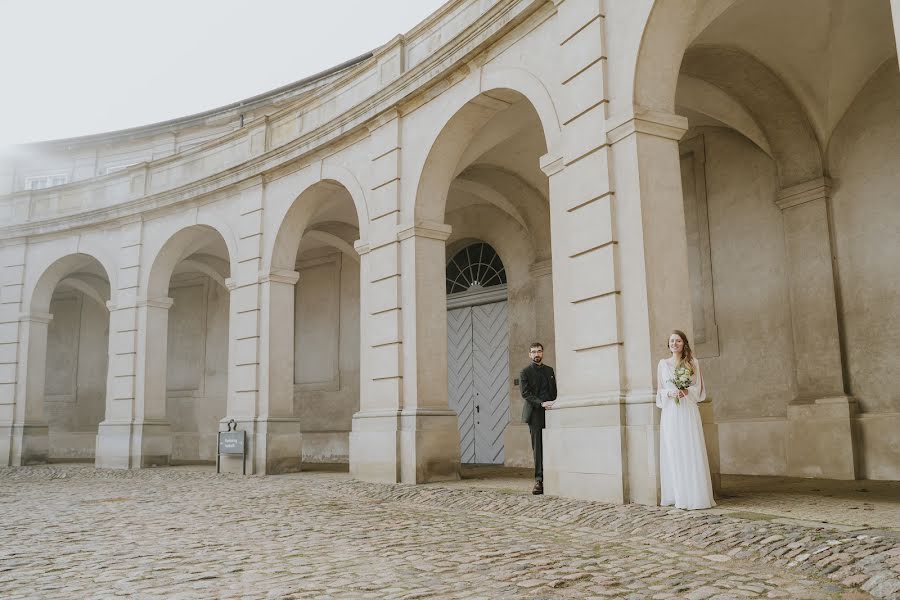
611 168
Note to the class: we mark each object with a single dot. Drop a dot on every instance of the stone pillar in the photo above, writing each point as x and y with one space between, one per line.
29 431
584 443
135 432
404 430
261 352
656 290
711 436
820 418
23 430
429 429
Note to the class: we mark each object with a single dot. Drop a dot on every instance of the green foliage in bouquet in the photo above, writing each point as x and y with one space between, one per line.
682 379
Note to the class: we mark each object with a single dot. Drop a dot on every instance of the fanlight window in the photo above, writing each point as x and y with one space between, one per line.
474 267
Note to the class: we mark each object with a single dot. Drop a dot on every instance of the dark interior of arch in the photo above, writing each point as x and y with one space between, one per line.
474 267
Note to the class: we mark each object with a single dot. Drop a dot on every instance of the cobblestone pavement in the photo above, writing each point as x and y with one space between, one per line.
841 505
73 532
847 504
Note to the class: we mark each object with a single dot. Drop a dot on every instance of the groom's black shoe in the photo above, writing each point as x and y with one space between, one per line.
538 488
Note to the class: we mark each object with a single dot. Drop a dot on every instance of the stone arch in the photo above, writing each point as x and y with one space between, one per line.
669 29
36 323
468 114
38 300
347 179
178 246
294 218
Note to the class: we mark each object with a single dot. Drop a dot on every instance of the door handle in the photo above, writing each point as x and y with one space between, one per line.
477 408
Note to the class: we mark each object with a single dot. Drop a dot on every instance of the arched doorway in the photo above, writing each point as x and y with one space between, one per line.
77 357
483 179
63 393
316 320
478 351
187 321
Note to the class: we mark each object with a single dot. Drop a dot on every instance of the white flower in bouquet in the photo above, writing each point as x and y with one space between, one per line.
682 378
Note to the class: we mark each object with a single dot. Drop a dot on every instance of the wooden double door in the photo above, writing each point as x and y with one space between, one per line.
478 379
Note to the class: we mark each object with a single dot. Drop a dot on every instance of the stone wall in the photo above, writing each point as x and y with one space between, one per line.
197 366
863 161
326 357
75 385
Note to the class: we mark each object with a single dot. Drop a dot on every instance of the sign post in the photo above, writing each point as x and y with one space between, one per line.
232 443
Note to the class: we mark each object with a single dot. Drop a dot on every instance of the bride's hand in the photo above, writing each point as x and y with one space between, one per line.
672 394
682 393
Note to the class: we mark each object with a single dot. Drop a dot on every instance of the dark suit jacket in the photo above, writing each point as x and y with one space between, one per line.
528 384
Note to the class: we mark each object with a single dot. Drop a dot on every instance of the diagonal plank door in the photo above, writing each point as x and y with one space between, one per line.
490 337
461 378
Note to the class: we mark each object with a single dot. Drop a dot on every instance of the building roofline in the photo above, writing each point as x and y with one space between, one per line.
185 120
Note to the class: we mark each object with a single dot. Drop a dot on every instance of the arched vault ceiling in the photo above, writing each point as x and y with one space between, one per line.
706 104
505 124
338 206
768 103
824 50
520 154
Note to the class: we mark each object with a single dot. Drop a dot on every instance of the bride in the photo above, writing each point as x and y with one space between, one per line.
684 466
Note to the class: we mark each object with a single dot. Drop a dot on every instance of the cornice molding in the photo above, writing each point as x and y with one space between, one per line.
164 303
425 229
35 317
795 195
439 69
551 164
541 269
645 121
279 276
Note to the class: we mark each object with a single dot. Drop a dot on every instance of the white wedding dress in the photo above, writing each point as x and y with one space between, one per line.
684 466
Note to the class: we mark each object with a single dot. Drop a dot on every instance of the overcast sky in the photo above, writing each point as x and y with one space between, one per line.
75 67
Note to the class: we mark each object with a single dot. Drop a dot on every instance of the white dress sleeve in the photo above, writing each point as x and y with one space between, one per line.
660 385
697 391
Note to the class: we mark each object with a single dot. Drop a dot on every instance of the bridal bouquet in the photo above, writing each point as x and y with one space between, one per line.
681 378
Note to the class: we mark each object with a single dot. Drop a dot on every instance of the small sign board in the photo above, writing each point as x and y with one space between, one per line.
232 443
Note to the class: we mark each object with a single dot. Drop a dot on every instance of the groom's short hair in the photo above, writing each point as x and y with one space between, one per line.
536 345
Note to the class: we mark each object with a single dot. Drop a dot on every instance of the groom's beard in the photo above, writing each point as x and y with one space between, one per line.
536 360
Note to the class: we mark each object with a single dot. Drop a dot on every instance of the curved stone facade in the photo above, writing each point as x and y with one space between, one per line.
638 166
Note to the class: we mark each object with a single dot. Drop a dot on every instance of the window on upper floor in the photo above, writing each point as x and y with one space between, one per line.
45 181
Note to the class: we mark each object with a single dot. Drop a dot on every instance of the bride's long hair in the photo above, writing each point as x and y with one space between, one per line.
687 356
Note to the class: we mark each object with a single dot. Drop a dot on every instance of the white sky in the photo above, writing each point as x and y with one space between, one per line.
75 67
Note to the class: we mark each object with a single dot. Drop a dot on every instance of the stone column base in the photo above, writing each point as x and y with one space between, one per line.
409 446
133 444
274 446
711 434
584 450
24 444
820 438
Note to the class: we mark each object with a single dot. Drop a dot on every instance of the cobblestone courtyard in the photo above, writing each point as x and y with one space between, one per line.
73 532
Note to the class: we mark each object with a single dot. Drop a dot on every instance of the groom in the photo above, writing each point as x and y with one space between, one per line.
538 385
